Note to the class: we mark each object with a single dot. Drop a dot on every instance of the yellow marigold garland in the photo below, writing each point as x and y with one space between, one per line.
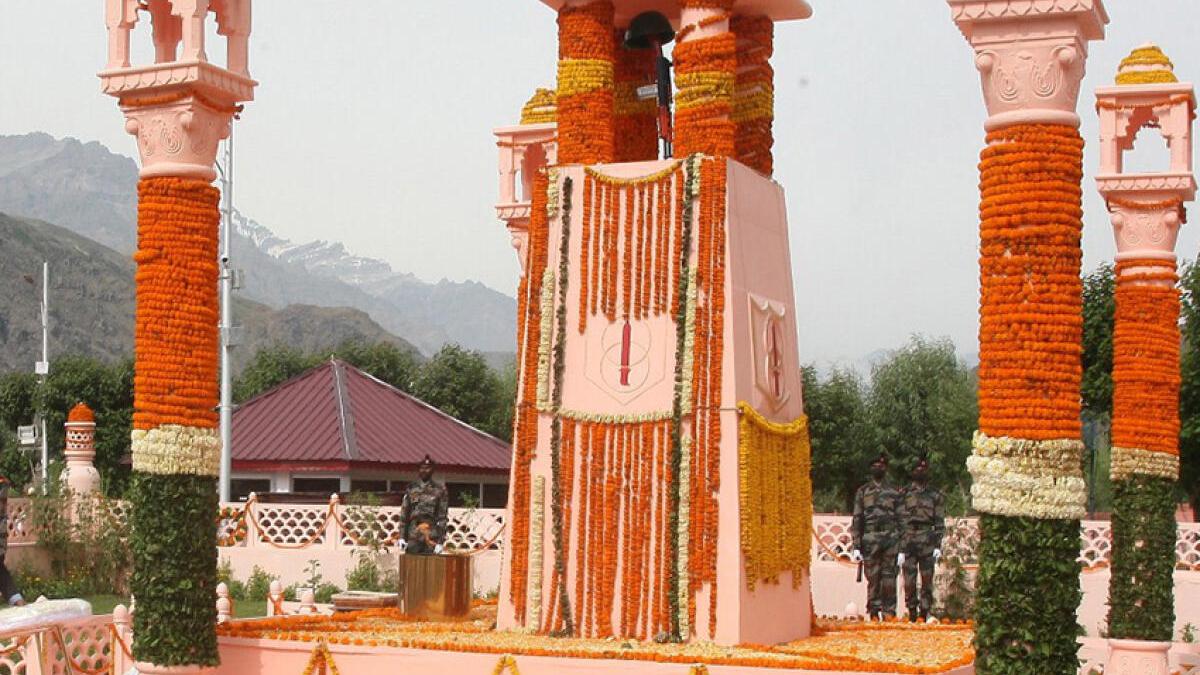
585 83
1146 65
754 93
541 108
321 657
774 461
506 662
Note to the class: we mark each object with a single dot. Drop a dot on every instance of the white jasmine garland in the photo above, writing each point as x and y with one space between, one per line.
689 342
610 418
537 539
545 341
1022 477
176 449
682 534
1130 462
553 193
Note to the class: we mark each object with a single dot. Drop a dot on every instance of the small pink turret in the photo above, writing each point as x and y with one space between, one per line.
81 475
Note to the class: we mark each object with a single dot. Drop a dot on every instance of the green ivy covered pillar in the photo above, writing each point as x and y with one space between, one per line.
1027 456
178 108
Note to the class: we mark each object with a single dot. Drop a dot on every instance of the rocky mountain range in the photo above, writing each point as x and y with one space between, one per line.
91 191
92 300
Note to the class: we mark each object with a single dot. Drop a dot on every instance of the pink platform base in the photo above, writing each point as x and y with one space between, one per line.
242 656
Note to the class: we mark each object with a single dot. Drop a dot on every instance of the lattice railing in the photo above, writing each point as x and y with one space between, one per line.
20 521
336 525
832 541
82 646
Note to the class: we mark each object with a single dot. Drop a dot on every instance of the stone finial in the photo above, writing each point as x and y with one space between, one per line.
121 616
224 604
179 107
81 475
308 602
1030 55
1146 65
541 108
275 598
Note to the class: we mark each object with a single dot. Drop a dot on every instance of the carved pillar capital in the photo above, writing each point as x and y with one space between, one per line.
1030 55
180 106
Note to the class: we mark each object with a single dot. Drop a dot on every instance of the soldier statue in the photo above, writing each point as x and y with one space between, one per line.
876 531
923 523
424 513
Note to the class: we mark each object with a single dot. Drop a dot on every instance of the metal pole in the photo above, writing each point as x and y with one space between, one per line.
226 407
45 360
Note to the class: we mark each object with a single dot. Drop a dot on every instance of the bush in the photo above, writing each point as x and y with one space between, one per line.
85 539
237 589
258 586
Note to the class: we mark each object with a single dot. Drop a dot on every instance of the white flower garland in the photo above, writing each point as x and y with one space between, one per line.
545 341
553 193
177 449
613 418
689 342
536 535
1128 462
682 534
1021 477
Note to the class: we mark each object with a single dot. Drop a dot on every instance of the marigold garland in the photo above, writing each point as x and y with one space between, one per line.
506 662
231 536
635 125
754 92
525 422
706 75
585 83
1029 380
540 108
625 247
1146 375
775 494
323 659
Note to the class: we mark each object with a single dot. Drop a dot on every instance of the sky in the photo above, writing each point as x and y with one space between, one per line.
373 123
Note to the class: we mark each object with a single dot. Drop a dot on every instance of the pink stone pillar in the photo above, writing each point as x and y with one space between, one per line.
178 108
1026 463
1146 211
81 475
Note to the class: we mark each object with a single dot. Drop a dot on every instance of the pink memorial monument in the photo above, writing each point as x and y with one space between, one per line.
81 475
660 484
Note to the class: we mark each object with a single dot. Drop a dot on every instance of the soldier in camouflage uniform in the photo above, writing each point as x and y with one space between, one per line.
876 531
424 513
923 523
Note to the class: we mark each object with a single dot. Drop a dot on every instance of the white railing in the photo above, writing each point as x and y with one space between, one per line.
833 542
339 526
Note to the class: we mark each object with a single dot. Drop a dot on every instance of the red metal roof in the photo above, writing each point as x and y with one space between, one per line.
337 413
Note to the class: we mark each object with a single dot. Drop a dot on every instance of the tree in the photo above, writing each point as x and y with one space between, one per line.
106 388
923 404
1189 391
272 366
500 424
383 360
841 435
459 382
1099 305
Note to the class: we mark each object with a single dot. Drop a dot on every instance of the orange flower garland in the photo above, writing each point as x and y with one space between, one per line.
1146 375
705 71
635 125
1030 321
704 480
585 83
754 92
630 244
525 434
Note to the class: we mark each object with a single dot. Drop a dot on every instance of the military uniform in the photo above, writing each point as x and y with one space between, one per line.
424 501
876 531
923 523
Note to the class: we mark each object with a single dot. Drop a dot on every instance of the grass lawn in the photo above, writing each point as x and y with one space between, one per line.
242 609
